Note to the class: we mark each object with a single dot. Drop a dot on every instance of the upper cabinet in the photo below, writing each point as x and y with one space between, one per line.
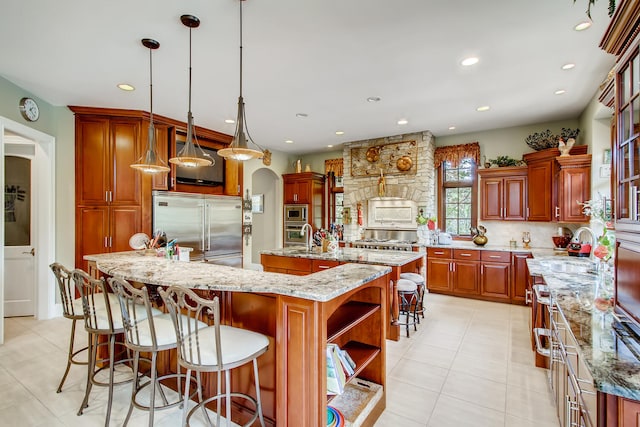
546 195
303 188
503 193
105 147
574 187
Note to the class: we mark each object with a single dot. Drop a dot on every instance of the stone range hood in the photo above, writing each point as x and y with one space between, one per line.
417 189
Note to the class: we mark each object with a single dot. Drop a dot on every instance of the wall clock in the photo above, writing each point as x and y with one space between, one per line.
29 109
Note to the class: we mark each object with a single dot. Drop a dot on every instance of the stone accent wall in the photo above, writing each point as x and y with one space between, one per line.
419 187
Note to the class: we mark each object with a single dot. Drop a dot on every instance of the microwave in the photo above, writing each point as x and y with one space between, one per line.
296 213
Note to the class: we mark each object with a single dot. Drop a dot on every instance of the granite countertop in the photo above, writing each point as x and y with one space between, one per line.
351 255
572 280
321 286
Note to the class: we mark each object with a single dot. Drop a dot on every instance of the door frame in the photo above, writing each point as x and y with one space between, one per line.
44 223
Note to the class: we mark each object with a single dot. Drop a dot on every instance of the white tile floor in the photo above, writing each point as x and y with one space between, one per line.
469 364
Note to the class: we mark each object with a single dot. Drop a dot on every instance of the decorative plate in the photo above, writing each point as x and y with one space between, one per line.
404 163
373 154
138 241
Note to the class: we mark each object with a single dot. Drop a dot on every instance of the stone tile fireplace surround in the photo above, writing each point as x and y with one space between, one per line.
419 187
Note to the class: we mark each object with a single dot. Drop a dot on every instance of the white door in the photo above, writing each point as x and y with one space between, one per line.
19 252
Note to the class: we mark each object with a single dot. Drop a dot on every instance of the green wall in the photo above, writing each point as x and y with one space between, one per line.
59 123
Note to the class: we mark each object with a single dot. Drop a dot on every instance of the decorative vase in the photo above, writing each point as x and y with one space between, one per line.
480 240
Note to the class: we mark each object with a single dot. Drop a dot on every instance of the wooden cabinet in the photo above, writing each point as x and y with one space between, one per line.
495 275
105 149
160 181
503 193
303 188
574 187
439 273
466 271
307 188
520 288
288 265
110 195
355 322
542 183
472 273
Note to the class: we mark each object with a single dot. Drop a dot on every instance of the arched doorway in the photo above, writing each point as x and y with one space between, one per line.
265 232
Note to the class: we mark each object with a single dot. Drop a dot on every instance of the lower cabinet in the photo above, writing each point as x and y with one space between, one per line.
520 290
495 275
475 273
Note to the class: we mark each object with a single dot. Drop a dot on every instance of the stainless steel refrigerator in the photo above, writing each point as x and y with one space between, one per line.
210 225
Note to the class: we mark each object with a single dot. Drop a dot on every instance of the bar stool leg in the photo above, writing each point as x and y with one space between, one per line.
112 345
70 357
258 398
136 382
91 365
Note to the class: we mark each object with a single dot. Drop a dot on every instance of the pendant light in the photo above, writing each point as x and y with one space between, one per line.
239 150
150 162
189 156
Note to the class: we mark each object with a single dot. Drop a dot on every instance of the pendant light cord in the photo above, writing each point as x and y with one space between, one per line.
151 85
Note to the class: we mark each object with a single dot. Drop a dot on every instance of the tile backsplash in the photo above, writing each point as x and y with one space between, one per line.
501 232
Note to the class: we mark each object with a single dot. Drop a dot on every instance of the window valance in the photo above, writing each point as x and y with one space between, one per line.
335 166
455 153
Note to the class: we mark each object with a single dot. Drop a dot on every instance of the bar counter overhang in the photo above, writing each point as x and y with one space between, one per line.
299 314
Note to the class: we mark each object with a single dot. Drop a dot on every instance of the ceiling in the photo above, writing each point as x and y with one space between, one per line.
323 58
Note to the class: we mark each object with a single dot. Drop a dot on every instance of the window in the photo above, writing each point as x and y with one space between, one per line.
457 198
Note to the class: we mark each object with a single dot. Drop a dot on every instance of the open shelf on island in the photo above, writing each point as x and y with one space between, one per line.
362 354
347 316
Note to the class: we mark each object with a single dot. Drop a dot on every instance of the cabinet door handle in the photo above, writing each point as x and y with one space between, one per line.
494 256
106 196
463 254
110 241
527 296
323 267
527 211
557 211
106 242
438 253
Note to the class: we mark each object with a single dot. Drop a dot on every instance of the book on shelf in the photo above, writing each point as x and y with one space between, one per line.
348 368
336 378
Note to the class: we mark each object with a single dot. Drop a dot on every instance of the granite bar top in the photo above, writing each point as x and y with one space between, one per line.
321 286
572 281
351 255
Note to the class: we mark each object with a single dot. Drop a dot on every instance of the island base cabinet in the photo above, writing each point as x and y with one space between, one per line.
355 322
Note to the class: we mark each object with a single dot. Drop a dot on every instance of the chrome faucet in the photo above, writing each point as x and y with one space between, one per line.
594 239
309 238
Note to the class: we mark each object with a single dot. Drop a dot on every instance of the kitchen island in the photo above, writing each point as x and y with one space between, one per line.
298 260
604 374
346 305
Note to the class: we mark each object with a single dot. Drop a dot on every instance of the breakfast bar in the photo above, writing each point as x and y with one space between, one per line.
345 305
299 261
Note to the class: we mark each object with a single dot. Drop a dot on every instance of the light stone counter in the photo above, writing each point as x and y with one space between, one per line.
354 255
322 286
613 368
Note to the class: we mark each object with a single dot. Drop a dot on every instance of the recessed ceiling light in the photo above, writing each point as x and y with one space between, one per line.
339 132
302 115
560 92
582 26
568 66
288 141
330 146
452 127
472 60
403 121
229 121
373 99
483 108
126 87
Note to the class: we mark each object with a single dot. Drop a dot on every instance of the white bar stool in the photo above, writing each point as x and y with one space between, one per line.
418 279
150 334
101 318
217 348
408 301
71 309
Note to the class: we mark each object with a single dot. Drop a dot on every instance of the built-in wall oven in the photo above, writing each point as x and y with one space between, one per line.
295 216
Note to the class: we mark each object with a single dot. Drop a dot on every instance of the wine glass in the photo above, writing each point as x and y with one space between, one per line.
526 238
